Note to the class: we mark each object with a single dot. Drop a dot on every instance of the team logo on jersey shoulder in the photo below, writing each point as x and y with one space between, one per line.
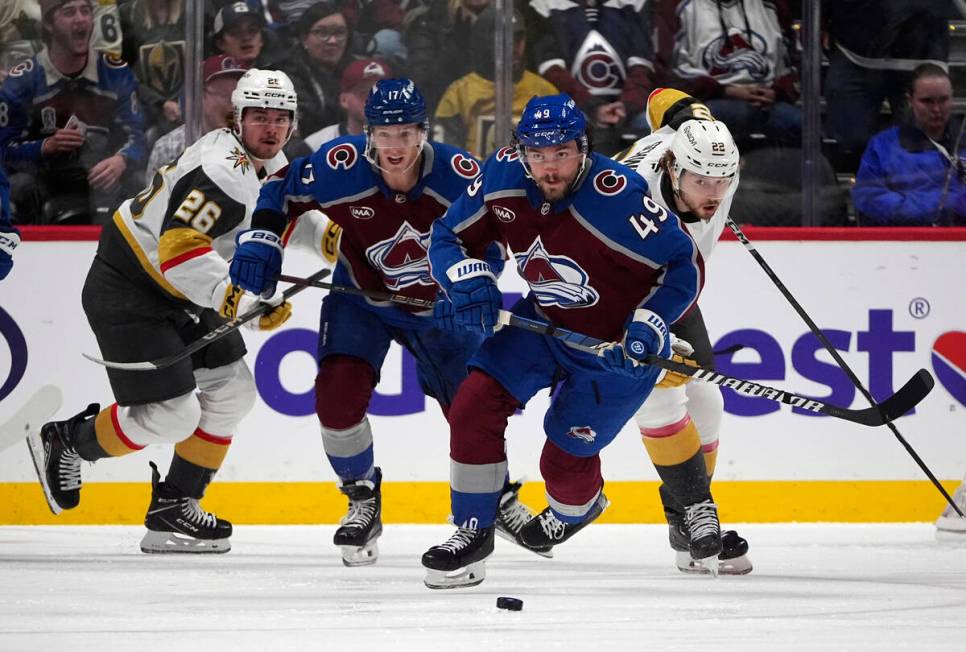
22 68
506 154
342 156
609 183
504 214
239 159
362 212
465 166
402 259
555 280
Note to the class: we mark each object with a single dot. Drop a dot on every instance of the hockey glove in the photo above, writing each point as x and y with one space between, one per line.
646 334
443 314
257 261
681 351
238 302
9 239
476 299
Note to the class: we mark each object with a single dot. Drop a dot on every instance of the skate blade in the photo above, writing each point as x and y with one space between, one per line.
503 534
171 542
366 555
36 446
740 565
468 576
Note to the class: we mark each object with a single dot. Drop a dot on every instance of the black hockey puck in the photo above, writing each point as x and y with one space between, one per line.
510 604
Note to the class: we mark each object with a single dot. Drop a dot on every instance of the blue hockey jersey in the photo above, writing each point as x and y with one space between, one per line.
385 234
590 259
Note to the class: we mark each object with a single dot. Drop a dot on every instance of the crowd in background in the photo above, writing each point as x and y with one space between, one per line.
91 102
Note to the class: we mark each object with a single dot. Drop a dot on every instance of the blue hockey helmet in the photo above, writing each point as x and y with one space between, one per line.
394 102
551 120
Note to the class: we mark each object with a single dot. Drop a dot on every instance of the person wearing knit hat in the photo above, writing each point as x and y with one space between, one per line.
239 31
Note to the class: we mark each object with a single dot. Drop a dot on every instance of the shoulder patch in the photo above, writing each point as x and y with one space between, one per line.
22 68
342 156
114 60
465 166
506 154
239 159
609 183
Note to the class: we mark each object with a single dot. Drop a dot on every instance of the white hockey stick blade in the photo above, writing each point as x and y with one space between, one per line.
35 412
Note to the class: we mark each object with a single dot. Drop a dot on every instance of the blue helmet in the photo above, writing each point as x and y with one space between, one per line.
552 120
394 102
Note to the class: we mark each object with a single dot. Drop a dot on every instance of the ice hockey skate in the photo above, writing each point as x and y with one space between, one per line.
950 526
177 524
460 561
360 528
513 514
546 530
704 530
733 559
56 460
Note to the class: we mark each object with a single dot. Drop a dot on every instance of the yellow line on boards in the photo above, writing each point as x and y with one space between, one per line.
280 503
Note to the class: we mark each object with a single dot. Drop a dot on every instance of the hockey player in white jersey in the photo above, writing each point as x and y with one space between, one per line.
690 162
159 282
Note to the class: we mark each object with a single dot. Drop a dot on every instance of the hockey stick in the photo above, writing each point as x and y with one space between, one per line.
895 406
208 338
838 358
39 408
369 294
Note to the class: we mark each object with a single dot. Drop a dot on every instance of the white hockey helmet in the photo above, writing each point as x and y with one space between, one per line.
264 89
704 147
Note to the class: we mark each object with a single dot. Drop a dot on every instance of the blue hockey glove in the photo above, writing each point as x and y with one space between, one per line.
476 299
9 239
612 358
646 334
257 261
443 314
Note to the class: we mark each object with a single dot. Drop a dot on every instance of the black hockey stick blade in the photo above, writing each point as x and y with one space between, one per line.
208 338
879 414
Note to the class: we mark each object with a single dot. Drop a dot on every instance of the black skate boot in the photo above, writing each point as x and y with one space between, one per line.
176 523
513 514
361 526
546 530
54 452
702 523
733 559
461 560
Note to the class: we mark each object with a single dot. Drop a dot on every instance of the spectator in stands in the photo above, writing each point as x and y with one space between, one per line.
73 124
465 115
873 48
154 47
436 41
19 33
316 63
240 32
598 53
357 80
220 76
735 56
912 174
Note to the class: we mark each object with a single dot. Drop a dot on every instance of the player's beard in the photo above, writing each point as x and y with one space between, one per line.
703 210
558 191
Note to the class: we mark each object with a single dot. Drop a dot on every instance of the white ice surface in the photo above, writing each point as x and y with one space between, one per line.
814 587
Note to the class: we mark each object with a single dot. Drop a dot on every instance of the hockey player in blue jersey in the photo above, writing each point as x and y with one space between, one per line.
601 258
384 188
70 115
9 236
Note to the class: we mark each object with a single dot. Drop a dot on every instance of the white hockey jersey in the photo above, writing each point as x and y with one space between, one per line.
644 157
182 227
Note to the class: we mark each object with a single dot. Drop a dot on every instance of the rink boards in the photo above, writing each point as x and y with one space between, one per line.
891 306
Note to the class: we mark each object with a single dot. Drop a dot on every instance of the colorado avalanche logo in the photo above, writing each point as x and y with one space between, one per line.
598 67
342 156
555 280
949 363
506 154
402 258
609 183
735 54
465 166
583 433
